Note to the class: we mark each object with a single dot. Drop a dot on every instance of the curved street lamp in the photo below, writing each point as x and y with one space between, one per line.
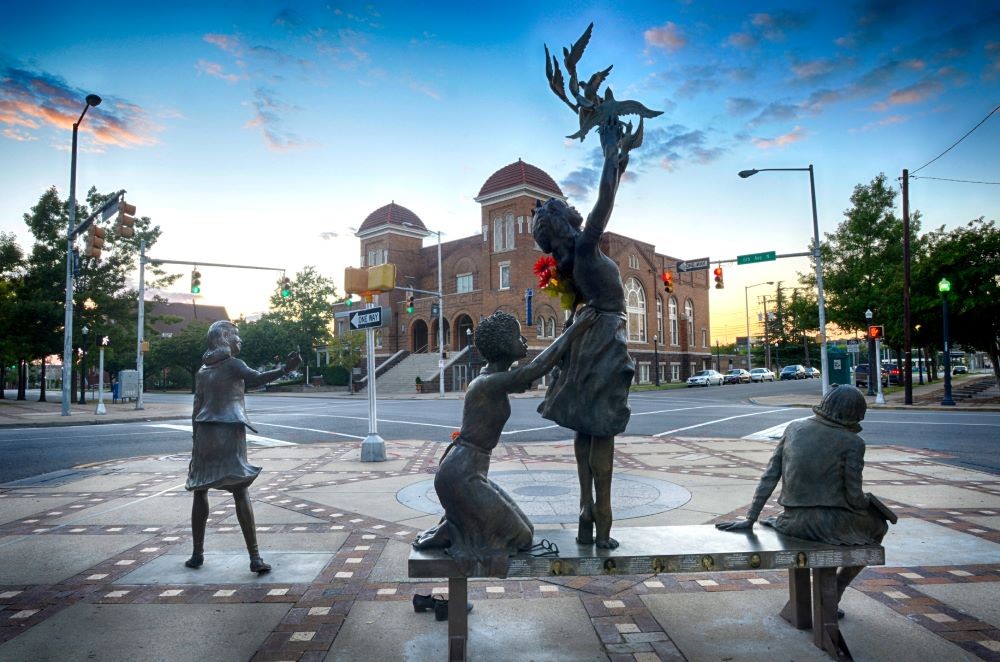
819 266
67 393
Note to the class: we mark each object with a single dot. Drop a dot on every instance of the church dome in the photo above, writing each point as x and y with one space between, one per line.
391 214
518 174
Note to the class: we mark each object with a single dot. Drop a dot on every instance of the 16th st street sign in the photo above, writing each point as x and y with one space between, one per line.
369 318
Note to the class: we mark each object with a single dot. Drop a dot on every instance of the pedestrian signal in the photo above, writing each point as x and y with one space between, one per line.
876 332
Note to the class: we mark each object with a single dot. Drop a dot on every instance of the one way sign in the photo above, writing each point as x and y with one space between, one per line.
368 318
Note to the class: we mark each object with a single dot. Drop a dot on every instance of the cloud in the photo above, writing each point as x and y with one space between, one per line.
910 94
775 112
771 27
215 70
229 43
810 70
268 117
424 89
579 183
677 144
32 100
793 136
18 135
742 105
885 121
668 37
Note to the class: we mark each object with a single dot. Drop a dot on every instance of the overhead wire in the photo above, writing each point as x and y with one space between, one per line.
957 141
962 181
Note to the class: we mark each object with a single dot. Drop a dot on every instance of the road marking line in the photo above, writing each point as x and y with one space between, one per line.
254 439
292 427
718 420
771 433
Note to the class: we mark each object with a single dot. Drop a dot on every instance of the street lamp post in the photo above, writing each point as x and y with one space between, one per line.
656 359
944 286
67 386
101 409
83 366
746 303
824 360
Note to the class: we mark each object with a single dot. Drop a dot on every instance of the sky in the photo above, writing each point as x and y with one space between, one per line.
259 133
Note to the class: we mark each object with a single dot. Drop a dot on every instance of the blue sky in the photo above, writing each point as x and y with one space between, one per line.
246 129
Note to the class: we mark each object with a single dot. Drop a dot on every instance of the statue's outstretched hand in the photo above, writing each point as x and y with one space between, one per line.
611 134
738 525
292 362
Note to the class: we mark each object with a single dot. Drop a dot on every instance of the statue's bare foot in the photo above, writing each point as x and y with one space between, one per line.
610 543
257 565
435 537
195 561
585 531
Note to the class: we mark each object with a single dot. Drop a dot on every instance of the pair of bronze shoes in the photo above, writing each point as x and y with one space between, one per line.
436 603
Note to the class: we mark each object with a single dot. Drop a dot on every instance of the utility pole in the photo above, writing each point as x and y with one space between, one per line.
907 322
767 341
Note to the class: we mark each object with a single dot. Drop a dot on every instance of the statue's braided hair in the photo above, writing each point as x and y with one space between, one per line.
493 335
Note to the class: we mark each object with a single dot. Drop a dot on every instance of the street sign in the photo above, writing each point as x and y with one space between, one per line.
435 310
693 265
754 258
368 318
853 346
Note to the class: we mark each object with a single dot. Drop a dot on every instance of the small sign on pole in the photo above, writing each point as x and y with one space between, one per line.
367 318
753 258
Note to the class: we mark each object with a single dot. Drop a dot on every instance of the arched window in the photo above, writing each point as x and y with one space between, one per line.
689 316
635 307
510 232
497 234
550 328
674 332
659 318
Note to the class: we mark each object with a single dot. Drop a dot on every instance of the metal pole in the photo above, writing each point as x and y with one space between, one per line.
373 447
879 396
819 287
947 400
100 385
656 360
83 368
141 323
67 368
746 303
767 340
907 322
441 319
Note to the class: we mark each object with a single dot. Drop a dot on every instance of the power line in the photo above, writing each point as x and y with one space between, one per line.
963 181
956 142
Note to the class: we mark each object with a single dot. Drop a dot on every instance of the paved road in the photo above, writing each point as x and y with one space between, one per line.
702 412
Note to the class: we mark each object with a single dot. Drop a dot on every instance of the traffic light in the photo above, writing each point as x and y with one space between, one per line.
286 287
718 278
195 281
409 304
349 302
876 332
124 224
668 281
94 242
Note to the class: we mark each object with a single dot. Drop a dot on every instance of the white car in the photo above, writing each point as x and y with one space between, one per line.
761 375
705 378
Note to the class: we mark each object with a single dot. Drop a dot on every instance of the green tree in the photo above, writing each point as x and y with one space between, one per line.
969 257
307 310
267 340
182 351
12 267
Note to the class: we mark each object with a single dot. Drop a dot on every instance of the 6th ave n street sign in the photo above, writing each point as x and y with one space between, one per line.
367 318
692 265
754 258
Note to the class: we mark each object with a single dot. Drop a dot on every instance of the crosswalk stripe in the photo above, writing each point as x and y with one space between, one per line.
254 439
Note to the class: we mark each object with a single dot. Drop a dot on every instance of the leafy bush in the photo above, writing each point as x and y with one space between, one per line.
336 375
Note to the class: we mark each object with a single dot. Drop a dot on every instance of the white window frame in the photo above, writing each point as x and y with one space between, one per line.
550 328
674 330
704 337
633 261
635 310
498 234
689 316
644 373
509 231
463 283
504 275
675 372
659 318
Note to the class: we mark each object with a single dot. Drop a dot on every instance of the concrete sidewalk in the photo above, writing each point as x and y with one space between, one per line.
93 562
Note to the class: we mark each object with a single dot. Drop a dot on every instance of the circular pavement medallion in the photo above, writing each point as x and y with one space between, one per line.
552 496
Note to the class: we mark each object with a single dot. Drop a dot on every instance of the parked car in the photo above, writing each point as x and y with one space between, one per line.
794 371
861 376
812 373
705 378
736 376
959 370
891 374
761 375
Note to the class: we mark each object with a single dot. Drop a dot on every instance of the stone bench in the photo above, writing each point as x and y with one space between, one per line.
678 549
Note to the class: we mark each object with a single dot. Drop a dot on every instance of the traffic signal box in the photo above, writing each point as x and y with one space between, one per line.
718 278
668 282
286 287
409 304
94 242
195 282
876 332
370 281
125 223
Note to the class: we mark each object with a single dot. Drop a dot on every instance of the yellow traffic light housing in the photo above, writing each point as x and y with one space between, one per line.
125 223
195 281
718 278
94 242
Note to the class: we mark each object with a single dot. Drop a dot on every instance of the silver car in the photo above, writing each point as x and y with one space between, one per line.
761 375
705 378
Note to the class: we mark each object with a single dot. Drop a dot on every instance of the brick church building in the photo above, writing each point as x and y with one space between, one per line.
492 269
